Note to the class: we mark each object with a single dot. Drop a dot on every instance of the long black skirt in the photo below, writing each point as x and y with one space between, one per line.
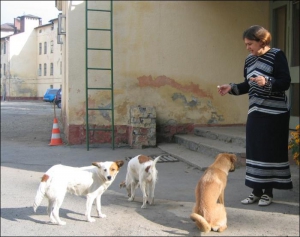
267 163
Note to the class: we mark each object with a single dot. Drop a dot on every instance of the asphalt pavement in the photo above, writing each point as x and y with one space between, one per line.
26 155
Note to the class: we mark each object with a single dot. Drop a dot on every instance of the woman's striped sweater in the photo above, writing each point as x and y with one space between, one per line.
271 97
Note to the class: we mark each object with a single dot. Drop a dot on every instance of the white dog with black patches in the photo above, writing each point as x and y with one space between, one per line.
90 181
141 171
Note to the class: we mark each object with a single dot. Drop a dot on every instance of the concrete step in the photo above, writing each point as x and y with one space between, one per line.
193 158
234 134
208 146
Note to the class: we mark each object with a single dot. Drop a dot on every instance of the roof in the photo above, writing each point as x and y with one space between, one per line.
7 27
53 19
29 15
48 24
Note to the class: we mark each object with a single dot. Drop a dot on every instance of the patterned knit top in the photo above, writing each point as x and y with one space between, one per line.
271 97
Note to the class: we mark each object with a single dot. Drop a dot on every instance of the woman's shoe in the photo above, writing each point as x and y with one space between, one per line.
265 200
251 199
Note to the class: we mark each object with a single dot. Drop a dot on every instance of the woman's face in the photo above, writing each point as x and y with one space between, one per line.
254 47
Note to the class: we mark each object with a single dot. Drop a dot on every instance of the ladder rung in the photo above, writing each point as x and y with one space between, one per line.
103 88
98 29
93 68
98 109
99 10
97 49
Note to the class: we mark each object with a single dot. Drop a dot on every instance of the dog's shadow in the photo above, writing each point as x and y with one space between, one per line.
26 213
166 213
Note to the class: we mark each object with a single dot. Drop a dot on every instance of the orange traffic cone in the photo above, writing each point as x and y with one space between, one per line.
55 138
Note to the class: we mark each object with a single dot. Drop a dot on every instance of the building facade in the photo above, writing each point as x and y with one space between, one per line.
114 58
30 59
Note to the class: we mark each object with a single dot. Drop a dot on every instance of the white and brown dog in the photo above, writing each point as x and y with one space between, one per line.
90 181
141 171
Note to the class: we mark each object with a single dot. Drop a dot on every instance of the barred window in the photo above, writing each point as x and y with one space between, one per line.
40 69
51 69
45 69
45 47
51 46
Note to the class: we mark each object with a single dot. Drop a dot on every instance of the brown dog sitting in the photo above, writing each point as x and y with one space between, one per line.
208 213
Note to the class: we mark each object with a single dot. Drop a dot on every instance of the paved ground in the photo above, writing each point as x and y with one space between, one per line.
25 134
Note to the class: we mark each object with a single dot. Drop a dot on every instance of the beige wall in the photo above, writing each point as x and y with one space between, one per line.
21 62
47 34
167 54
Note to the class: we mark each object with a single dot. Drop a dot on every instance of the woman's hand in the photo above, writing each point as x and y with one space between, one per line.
260 80
224 89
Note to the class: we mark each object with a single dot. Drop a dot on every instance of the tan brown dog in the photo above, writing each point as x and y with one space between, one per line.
208 213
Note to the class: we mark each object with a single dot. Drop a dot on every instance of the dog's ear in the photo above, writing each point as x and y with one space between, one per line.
119 163
97 164
233 158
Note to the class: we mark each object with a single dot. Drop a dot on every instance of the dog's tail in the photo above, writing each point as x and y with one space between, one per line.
155 160
201 223
41 191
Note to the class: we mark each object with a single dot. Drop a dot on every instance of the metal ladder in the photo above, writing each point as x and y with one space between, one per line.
92 88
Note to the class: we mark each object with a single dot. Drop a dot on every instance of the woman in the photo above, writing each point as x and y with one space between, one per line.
267 78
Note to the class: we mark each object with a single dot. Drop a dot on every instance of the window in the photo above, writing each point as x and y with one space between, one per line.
51 69
279 40
45 69
295 33
45 47
60 67
40 48
51 46
4 48
40 69
4 69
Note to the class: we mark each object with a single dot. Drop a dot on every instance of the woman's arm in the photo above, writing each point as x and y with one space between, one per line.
282 79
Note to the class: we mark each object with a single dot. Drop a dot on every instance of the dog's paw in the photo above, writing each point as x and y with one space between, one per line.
130 199
62 223
144 206
52 220
91 219
102 215
151 201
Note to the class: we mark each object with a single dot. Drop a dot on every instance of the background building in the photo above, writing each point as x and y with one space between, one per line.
30 58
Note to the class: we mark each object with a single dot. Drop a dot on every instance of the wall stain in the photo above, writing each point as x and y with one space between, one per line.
193 103
105 114
147 81
215 118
